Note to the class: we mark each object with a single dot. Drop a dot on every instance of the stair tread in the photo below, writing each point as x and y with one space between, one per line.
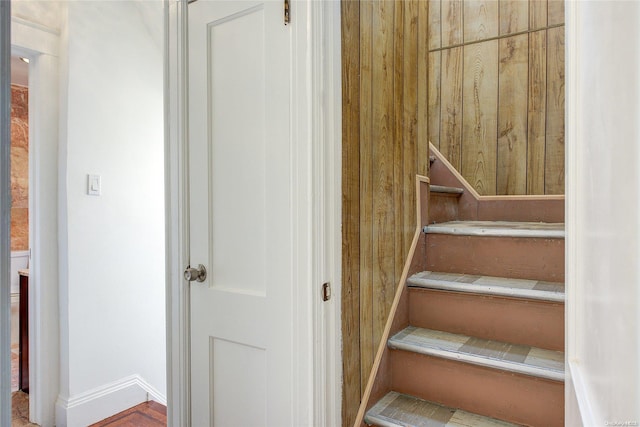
517 358
499 229
445 189
401 410
489 285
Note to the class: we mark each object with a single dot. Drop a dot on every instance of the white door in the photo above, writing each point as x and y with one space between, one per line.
240 213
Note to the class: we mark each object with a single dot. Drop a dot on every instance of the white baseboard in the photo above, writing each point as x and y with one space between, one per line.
102 402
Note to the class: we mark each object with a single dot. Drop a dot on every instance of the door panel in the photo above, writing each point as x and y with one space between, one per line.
240 377
240 213
237 150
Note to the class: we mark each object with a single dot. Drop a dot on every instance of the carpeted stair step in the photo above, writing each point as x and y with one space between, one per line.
401 410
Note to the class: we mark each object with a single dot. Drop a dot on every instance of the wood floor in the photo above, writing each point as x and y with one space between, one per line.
20 410
147 414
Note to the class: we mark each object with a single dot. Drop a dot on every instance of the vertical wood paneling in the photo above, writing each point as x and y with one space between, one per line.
398 38
452 33
366 192
434 90
422 115
537 112
514 16
480 19
385 143
521 164
555 10
409 127
554 152
451 109
537 14
480 104
383 150
351 387
434 26
512 115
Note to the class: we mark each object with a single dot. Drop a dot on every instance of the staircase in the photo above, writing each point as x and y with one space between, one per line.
477 334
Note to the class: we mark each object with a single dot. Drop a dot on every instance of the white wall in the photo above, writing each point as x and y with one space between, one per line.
112 246
603 213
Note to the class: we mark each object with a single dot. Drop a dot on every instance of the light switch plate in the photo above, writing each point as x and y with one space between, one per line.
93 185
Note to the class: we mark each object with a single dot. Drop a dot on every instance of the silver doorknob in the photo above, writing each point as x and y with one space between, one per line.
199 274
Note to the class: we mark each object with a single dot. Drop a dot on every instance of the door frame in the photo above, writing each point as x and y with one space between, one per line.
316 128
40 44
577 406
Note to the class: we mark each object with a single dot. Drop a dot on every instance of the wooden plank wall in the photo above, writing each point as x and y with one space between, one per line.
496 92
384 66
483 80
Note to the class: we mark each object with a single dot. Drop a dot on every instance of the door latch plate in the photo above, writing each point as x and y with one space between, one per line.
326 291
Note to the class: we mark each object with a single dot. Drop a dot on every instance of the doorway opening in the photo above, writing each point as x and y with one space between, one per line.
20 254
99 338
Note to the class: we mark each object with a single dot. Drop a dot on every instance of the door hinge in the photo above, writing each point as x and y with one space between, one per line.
326 291
287 15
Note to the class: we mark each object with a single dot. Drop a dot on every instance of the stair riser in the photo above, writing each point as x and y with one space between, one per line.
533 323
519 258
443 207
504 395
